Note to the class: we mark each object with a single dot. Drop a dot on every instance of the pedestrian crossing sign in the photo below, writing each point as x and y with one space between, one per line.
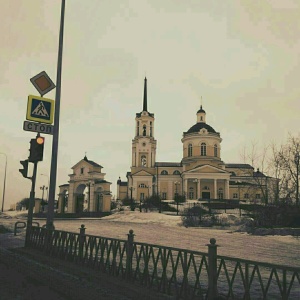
40 109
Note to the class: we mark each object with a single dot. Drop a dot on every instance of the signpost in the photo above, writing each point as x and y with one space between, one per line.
41 110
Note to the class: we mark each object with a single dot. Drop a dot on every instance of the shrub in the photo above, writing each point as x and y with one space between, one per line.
195 216
166 207
113 205
274 215
129 202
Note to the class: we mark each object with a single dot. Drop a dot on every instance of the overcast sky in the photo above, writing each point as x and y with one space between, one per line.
242 57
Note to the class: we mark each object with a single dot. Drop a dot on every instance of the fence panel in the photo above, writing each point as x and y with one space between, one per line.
183 273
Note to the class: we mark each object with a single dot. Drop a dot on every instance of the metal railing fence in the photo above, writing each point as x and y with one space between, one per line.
183 273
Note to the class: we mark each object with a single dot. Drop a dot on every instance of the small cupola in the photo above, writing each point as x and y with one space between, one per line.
201 114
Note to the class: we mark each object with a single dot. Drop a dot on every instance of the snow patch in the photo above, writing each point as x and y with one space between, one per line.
145 218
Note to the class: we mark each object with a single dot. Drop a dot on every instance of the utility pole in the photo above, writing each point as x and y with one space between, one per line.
53 171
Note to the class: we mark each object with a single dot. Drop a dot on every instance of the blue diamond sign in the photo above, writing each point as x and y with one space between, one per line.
40 109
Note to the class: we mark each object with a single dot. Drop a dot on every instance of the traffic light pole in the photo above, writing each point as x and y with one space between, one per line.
31 204
53 170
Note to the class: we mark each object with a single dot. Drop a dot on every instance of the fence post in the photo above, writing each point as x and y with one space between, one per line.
81 240
129 253
212 270
47 240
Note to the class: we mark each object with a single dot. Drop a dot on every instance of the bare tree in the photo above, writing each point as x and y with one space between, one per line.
289 159
257 180
282 163
278 186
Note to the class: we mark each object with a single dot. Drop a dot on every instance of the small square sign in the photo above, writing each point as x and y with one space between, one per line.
40 109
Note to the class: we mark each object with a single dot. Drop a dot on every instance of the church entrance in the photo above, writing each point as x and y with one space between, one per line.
205 195
81 198
79 203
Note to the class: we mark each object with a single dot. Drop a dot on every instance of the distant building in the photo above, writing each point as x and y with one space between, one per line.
201 173
87 176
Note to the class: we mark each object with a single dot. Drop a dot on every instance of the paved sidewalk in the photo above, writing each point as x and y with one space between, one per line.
9 241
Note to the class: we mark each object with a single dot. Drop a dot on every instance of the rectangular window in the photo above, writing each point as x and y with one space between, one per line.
191 195
220 195
246 196
142 196
164 196
81 170
257 196
235 195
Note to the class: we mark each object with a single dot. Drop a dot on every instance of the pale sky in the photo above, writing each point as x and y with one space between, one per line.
242 57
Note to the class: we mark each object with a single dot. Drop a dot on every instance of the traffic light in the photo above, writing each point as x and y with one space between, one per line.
36 149
24 171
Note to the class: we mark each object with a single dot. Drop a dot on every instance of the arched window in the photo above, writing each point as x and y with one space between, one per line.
164 172
176 172
203 149
216 150
143 161
190 150
150 128
144 130
138 128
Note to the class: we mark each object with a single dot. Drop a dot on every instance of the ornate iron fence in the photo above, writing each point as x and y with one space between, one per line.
183 273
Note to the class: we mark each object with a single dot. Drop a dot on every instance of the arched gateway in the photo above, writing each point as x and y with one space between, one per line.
87 190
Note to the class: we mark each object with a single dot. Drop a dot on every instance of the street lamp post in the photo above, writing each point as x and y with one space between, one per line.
4 181
48 185
131 200
176 196
43 188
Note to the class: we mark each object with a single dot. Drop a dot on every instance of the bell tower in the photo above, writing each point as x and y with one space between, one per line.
144 144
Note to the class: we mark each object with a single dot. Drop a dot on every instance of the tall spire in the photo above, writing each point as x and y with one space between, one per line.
145 95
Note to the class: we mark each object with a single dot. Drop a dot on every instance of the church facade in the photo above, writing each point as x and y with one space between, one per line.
201 173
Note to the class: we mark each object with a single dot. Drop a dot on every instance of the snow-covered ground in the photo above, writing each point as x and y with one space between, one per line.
167 230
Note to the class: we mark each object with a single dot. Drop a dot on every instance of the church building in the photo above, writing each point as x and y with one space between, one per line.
87 190
201 173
